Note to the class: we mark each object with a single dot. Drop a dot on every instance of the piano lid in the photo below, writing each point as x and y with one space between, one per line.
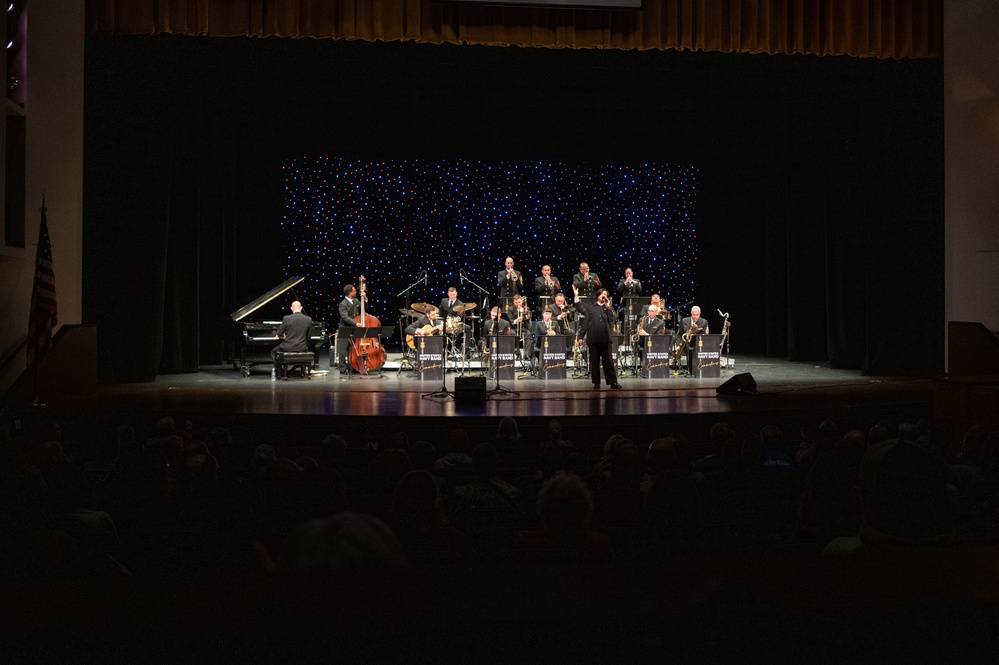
246 310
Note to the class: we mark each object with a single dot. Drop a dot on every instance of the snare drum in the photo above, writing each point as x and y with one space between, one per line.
454 325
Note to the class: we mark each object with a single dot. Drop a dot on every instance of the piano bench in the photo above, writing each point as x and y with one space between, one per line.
288 361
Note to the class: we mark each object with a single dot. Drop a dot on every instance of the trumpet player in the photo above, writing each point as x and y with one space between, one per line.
546 286
585 283
511 282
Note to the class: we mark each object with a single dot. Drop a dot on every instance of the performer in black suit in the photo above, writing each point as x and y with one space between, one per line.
629 286
495 324
696 320
349 308
447 309
585 283
293 331
546 287
597 328
544 328
511 282
651 324
562 314
429 318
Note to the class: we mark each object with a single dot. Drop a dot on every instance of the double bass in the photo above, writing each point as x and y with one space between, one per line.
366 354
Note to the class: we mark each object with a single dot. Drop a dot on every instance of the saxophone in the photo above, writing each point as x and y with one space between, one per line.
684 341
724 335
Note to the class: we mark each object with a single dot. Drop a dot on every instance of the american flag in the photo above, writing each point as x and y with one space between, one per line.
42 319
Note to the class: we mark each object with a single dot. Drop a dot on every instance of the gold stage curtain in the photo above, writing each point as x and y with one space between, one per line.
863 28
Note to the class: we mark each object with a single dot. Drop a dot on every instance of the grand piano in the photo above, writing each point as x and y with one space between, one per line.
259 337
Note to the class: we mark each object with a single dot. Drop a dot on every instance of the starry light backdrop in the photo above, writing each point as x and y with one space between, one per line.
390 220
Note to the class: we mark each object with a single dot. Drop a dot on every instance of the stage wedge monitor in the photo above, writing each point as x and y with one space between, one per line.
739 384
470 388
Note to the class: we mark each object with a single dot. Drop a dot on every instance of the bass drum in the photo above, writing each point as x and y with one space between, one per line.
453 325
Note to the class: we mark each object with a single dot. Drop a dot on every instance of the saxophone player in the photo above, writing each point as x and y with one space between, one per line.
695 320
543 328
651 324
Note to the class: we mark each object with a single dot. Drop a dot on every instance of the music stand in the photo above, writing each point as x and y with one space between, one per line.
629 304
497 389
442 391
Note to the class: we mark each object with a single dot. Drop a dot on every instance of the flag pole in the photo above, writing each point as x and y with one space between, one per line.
43 316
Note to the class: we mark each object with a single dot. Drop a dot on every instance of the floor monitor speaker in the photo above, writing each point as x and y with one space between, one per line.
470 388
739 384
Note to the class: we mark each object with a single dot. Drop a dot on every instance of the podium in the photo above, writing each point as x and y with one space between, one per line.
551 359
656 355
501 356
430 357
706 357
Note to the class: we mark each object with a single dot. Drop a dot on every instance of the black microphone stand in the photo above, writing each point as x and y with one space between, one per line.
442 391
404 360
485 302
497 389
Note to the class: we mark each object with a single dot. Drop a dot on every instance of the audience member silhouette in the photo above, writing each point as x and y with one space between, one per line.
565 508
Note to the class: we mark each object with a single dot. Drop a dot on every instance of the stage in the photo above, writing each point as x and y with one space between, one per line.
783 387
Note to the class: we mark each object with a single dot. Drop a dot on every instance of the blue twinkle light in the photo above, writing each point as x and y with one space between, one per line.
442 216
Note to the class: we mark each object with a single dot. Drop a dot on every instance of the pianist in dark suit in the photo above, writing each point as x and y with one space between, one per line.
293 331
349 308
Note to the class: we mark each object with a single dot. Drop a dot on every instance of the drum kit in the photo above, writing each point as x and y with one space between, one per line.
454 324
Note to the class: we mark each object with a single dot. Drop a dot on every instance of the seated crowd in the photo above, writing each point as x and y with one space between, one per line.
185 500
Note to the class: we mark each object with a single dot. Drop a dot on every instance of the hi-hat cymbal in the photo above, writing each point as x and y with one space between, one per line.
473 317
464 307
409 312
421 307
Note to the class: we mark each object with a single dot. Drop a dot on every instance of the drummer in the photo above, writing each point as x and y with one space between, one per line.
453 313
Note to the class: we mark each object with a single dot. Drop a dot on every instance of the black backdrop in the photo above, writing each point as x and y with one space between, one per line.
820 204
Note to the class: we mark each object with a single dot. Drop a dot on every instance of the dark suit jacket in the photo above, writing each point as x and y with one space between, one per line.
487 328
633 289
702 325
539 330
598 323
445 309
544 289
295 328
657 327
424 321
587 287
563 324
348 311
510 287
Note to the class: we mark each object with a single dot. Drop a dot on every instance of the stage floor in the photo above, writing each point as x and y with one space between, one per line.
783 386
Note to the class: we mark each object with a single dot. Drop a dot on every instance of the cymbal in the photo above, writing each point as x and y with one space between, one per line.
421 307
464 307
473 317
409 312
